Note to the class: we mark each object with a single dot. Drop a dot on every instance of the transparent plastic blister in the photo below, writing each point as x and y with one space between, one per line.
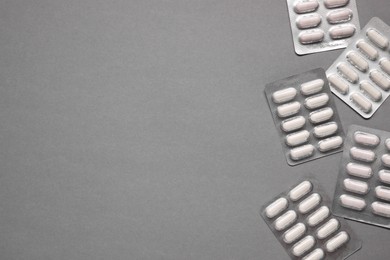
360 76
322 25
363 187
304 225
305 116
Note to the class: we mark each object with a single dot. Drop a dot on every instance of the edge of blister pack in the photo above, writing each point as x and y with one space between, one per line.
353 245
296 81
365 215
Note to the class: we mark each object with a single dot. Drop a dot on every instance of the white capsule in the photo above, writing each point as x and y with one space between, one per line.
387 144
341 31
309 203
292 124
355 186
357 60
347 72
294 233
359 170
385 65
326 129
362 154
335 3
382 192
377 38
384 176
285 220
339 84
386 160
303 246
308 21
301 7
276 207
330 143
316 101
312 87
311 36
328 228
381 209
380 79
362 102
300 190
288 109
366 139
284 95
339 16
369 90
297 138
337 241
302 152
318 216
316 254
321 115
352 202
369 51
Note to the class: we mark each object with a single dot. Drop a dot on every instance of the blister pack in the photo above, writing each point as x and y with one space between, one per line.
363 188
360 75
305 116
304 225
322 25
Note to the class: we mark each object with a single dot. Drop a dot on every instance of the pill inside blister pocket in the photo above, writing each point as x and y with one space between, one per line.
335 3
368 50
347 72
276 207
308 21
284 95
318 216
328 228
377 38
385 65
316 254
357 60
288 109
325 130
312 87
355 186
303 246
285 220
302 152
339 84
300 190
359 170
371 91
330 143
316 101
297 138
382 192
362 154
366 139
380 79
294 233
384 176
386 160
381 209
342 31
292 124
305 6
321 115
352 202
387 144
311 36
309 203
339 16
337 241
362 102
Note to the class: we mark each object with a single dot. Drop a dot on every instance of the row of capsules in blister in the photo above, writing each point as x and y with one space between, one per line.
306 227
367 175
309 27
319 111
360 75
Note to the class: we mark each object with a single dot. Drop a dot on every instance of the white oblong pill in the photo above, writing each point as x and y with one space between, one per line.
380 79
339 16
330 143
377 38
303 246
284 95
311 36
285 220
387 143
355 186
352 202
370 90
297 138
316 254
368 50
308 21
386 160
362 154
339 84
362 102
276 207
321 115
326 129
328 228
316 101
318 216
309 203
294 233
385 65
357 61
359 170
347 72
300 190
367 139
342 31
335 3
292 124
301 7
302 152
384 176
337 241
288 109
312 87
381 209
382 192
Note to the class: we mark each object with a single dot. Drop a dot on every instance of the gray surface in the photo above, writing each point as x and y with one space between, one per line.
139 129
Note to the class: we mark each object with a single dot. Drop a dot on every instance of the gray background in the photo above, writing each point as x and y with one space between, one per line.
139 129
